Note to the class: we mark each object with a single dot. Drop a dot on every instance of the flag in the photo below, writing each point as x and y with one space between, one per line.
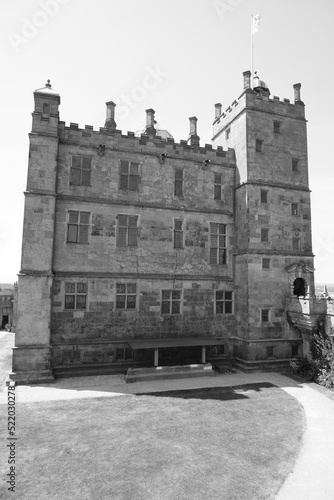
256 23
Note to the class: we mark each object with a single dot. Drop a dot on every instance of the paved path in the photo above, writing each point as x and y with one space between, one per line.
312 475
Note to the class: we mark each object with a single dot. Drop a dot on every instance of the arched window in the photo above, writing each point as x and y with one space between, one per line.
299 287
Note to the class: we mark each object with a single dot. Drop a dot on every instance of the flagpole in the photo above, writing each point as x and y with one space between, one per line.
252 51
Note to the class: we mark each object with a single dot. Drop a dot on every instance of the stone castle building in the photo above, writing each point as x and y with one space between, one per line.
140 251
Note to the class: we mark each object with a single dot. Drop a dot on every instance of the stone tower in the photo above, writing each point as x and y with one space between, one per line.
32 351
272 248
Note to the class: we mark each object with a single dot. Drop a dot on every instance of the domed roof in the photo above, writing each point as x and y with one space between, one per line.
259 83
163 133
47 89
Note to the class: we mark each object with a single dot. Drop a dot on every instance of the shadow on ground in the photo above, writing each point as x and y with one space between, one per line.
215 393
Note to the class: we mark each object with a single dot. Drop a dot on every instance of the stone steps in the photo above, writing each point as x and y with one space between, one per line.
169 372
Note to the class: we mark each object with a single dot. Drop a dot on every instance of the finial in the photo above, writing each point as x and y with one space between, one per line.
48 84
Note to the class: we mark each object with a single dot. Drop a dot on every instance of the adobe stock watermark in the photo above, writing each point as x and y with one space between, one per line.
30 27
127 102
225 7
324 249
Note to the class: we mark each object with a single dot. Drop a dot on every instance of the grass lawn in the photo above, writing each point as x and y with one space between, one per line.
214 443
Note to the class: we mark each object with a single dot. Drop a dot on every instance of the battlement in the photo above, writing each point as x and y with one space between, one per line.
146 143
251 99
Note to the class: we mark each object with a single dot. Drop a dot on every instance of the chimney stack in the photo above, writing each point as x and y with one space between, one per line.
218 110
193 139
247 79
296 89
110 123
150 129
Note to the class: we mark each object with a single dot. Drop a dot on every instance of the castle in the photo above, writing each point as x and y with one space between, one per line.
140 251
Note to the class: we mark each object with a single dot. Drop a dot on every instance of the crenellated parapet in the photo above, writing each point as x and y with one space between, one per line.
145 143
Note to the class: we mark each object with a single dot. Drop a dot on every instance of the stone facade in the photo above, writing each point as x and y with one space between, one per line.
136 237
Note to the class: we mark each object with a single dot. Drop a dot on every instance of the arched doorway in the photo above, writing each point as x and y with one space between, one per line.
299 287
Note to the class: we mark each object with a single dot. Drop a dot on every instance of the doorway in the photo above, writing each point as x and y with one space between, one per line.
299 287
4 321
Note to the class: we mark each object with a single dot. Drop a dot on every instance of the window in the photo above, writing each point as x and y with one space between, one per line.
295 165
265 315
264 196
296 244
258 146
46 108
81 171
277 127
178 233
294 209
129 176
270 351
126 230
75 295
265 263
224 302
227 133
218 251
126 295
77 227
295 350
171 301
218 187
264 235
178 183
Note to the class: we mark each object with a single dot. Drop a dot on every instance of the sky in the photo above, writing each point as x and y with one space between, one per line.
179 57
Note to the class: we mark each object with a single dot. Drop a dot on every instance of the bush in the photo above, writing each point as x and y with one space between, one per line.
322 350
305 367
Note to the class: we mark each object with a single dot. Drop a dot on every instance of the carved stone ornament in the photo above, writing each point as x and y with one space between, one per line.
101 150
300 270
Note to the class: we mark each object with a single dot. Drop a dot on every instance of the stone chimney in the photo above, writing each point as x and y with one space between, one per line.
247 79
110 123
150 129
296 89
218 110
193 139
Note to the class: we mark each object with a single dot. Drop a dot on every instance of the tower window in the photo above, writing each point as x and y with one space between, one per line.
258 146
264 196
295 350
178 182
295 165
46 108
218 251
296 244
129 176
277 127
270 351
265 263
227 133
264 235
178 233
265 315
218 187
294 209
